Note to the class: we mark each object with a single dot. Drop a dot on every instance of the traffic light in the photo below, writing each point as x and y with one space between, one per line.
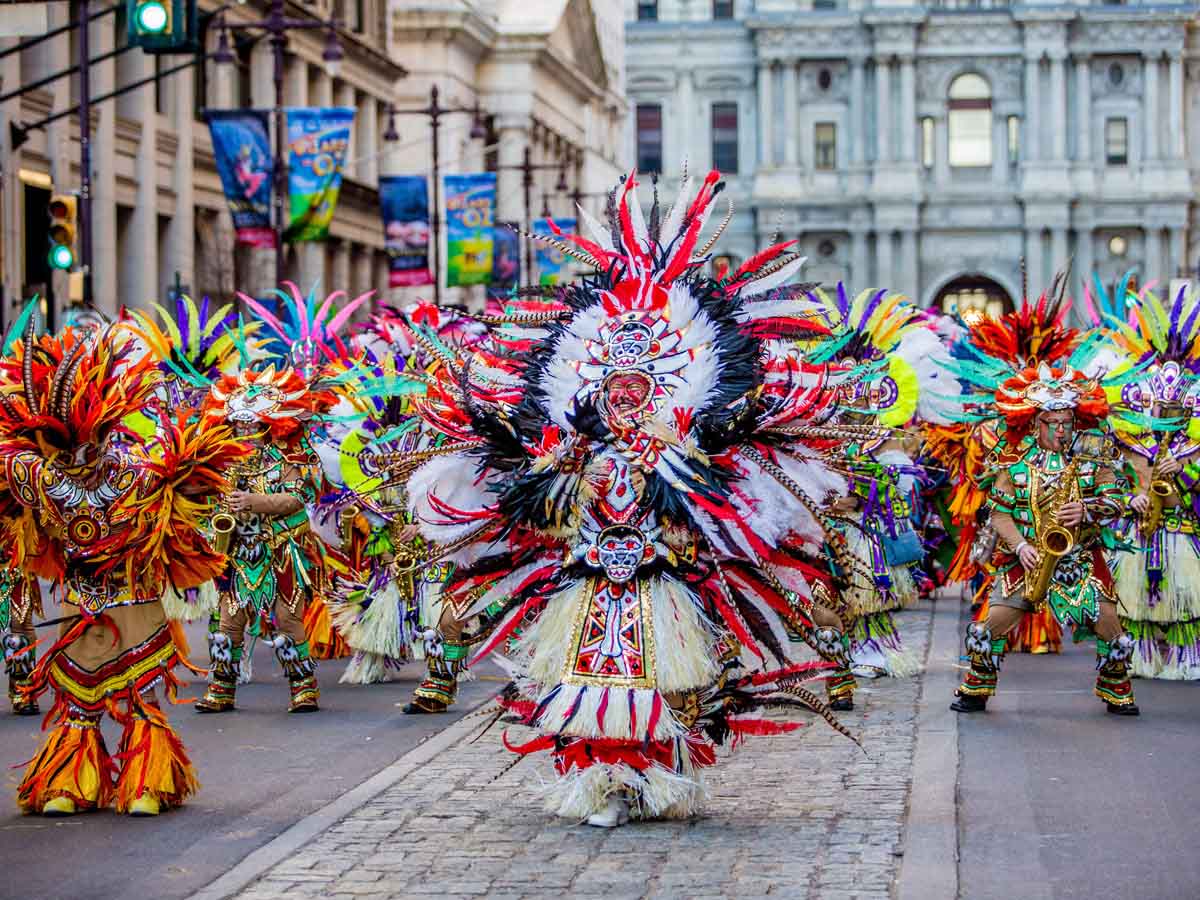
64 223
162 26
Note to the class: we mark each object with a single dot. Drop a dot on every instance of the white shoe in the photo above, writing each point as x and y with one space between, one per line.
615 812
865 671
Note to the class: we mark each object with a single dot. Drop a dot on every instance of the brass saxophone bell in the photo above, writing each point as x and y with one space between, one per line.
346 519
222 527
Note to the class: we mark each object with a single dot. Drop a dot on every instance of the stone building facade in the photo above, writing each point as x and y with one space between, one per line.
547 74
929 147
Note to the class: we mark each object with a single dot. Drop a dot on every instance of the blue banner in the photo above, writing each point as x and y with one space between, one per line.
506 260
404 201
551 263
470 207
243 153
317 142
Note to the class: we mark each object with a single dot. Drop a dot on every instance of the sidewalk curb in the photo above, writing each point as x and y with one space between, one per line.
930 867
285 844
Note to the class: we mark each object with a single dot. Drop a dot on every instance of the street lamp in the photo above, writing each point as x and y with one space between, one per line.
434 112
276 24
527 167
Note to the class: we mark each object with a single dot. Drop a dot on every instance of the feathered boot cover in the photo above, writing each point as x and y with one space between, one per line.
324 642
985 654
19 659
72 763
224 663
301 672
445 661
875 644
1113 685
153 760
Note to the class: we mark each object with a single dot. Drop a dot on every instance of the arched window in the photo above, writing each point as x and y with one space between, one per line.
970 116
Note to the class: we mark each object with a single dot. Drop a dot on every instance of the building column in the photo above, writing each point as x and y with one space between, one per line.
1176 254
513 136
1083 109
1058 105
1032 102
1153 120
1086 264
883 111
858 128
1033 259
1154 264
344 96
791 137
859 275
339 278
908 111
106 280
885 276
181 233
1058 248
686 114
941 149
766 152
999 149
368 143
220 78
909 265
1175 109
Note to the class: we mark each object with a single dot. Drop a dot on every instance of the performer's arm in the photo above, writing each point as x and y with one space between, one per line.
1001 499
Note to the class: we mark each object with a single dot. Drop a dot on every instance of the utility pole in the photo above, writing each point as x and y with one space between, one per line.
85 151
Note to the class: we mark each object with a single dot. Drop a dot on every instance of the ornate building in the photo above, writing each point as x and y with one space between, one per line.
930 146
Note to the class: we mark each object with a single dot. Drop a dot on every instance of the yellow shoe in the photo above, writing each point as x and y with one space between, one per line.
59 806
145 805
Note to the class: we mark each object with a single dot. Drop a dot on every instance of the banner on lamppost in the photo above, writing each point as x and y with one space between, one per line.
318 138
506 260
470 208
242 150
551 261
404 201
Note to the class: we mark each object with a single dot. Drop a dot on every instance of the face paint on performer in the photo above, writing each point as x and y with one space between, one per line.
1056 430
627 395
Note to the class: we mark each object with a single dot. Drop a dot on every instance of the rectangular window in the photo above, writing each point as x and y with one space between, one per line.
1116 142
825 146
927 138
1014 140
649 137
725 138
647 12
722 9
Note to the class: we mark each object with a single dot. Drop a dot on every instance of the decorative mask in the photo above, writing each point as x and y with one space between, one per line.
619 550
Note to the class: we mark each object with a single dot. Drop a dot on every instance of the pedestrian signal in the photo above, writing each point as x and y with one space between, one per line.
64 223
162 26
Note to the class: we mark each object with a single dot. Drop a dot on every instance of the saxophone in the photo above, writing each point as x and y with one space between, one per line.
223 521
1054 541
1160 490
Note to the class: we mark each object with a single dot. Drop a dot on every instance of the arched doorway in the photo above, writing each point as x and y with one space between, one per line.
973 296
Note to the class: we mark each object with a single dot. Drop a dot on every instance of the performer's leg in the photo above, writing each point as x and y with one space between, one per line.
225 659
19 660
292 651
445 658
1114 649
156 773
985 645
833 644
72 772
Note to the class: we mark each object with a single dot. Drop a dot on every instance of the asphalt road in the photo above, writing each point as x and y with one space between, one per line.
261 770
1059 800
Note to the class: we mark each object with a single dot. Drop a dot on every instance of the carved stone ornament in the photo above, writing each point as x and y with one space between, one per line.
968 34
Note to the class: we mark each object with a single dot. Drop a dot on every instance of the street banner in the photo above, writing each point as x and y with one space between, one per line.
318 138
551 262
470 207
506 260
244 162
404 200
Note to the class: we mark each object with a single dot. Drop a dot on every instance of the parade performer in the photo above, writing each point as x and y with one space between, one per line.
902 381
115 522
1033 334
275 562
1159 584
1052 489
627 501
20 601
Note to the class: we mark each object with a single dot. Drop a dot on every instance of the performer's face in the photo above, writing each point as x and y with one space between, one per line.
626 395
1056 430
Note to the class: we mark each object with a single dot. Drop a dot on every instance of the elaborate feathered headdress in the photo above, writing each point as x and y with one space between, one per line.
1035 333
1047 389
312 332
277 401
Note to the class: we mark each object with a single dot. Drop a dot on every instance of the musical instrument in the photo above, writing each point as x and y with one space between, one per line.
1054 541
346 519
1160 490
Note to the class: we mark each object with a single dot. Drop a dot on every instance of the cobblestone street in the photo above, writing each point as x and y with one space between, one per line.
796 816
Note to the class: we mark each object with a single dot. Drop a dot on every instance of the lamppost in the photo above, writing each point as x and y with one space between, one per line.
527 168
277 23
434 112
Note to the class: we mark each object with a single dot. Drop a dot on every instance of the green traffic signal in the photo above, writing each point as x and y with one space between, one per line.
151 17
61 257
